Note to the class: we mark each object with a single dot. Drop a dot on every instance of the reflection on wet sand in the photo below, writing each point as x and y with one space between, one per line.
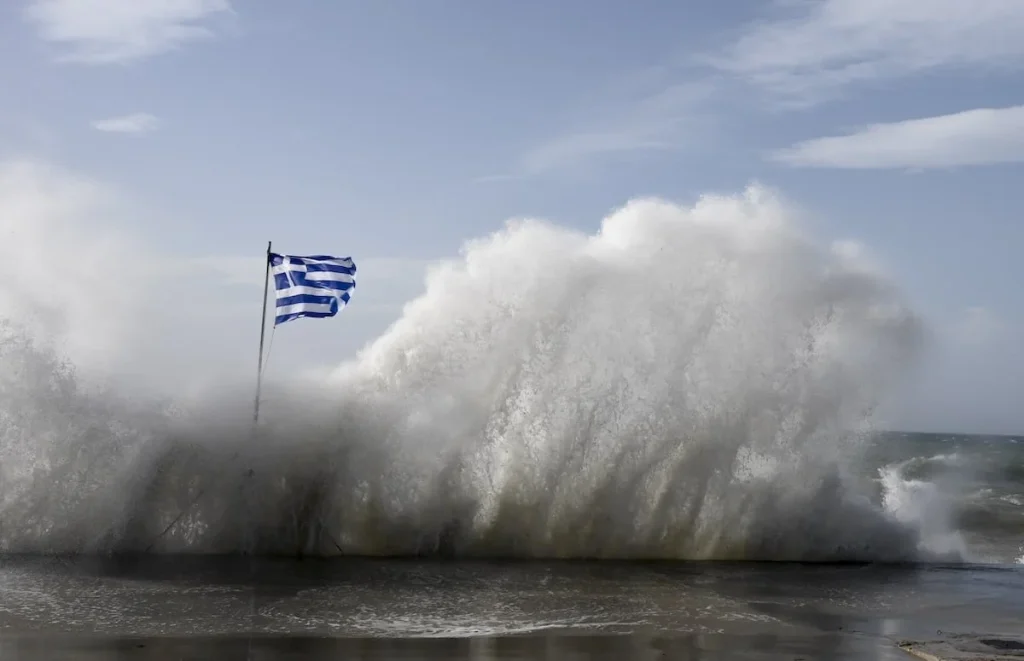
171 608
540 648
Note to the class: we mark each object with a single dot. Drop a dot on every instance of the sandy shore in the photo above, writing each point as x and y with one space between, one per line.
517 648
201 608
34 647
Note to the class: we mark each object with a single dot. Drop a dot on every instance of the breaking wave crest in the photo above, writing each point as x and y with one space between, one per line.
686 383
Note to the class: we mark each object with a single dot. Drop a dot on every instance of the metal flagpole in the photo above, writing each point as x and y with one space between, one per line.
255 417
263 331
247 484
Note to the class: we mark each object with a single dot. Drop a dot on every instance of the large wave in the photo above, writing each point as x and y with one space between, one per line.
686 383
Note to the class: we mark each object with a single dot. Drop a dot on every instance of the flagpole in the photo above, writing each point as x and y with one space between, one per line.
263 332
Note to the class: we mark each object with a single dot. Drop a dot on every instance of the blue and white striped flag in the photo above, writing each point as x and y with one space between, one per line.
313 286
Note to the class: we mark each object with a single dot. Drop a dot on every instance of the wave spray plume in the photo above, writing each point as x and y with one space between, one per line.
686 383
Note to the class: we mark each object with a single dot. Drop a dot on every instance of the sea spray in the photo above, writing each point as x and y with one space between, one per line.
686 383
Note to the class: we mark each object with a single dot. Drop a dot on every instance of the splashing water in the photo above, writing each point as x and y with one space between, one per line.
687 383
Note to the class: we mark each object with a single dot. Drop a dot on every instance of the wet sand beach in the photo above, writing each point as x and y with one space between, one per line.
231 608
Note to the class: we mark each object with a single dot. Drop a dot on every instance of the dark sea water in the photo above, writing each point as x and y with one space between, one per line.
973 485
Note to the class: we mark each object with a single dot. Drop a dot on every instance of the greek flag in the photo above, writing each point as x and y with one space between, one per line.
311 286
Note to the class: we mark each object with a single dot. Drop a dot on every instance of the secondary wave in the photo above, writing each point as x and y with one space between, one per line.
686 383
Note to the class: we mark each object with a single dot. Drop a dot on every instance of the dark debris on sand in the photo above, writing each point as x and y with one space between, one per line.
967 647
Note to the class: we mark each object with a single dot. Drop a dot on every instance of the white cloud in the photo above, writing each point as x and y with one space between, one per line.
819 46
116 31
571 148
632 123
974 137
139 122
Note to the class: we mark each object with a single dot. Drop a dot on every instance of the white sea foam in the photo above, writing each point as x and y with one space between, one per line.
927 506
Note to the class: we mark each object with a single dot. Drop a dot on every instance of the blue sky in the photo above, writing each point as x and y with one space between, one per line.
397 130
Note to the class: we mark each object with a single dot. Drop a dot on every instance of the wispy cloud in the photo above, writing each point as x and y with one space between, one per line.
139 122
974 137
814 48
661 120
118 31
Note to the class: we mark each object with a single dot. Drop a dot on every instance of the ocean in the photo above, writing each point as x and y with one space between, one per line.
971 484
659 441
